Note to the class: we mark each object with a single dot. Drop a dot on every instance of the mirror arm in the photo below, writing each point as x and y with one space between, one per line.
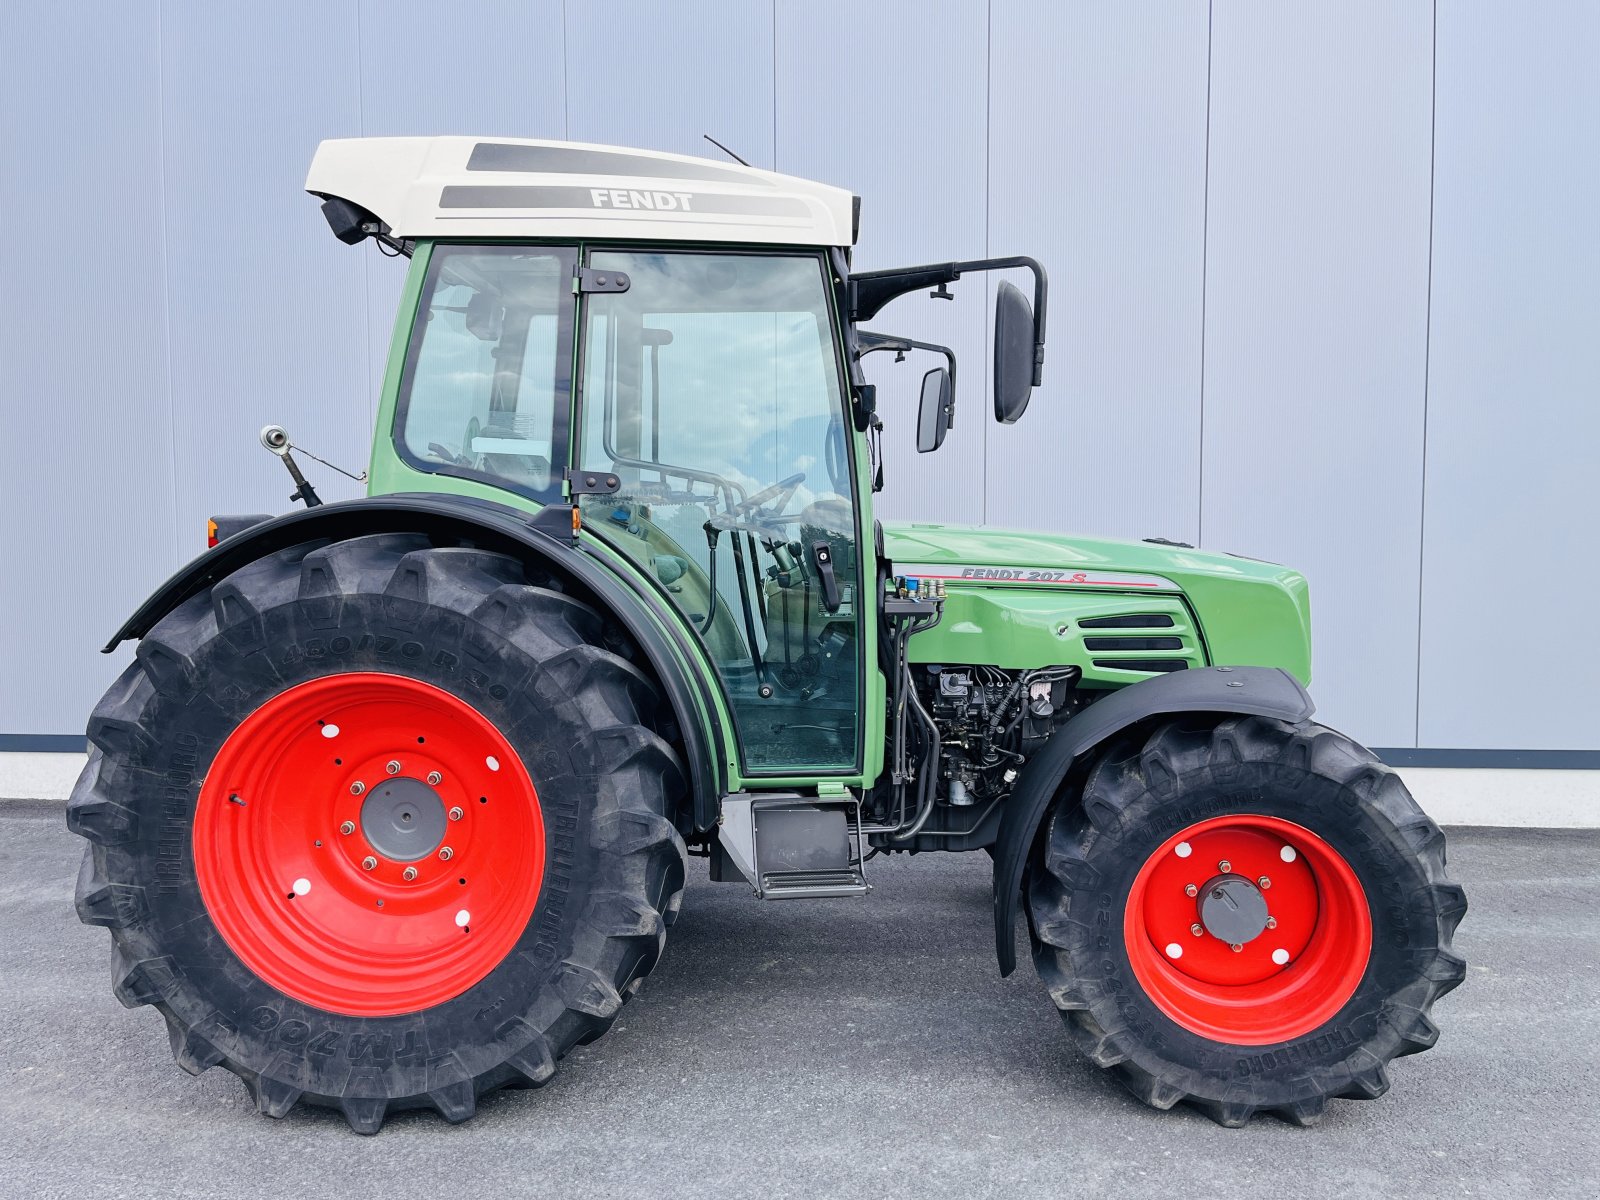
871 290
1041 295
870 341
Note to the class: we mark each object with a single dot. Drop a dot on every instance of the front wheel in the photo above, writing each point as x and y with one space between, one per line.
1246 916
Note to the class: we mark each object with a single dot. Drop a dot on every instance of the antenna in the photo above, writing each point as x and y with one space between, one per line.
724 149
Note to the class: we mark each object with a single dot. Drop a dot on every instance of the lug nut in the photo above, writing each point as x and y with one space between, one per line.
1224 866
1189 889
357 788
1263 883
1236 947
393 766
1197 929
347 828
408 874
434 778
1272 922
446 854
368 863
456 814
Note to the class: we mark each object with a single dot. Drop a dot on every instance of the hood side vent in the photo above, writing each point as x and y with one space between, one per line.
1133 643
1128 621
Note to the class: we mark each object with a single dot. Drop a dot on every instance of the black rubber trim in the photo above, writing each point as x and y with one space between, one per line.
1252 691
483 523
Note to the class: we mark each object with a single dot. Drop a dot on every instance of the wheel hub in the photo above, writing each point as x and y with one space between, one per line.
1233 909
403 819
369 844
1269 946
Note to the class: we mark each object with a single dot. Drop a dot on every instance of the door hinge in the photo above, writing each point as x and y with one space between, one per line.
588 279
591 483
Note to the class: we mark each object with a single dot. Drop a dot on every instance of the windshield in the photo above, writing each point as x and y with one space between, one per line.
488 375
711 388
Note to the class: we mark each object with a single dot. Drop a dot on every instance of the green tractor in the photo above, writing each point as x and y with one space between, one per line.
394 804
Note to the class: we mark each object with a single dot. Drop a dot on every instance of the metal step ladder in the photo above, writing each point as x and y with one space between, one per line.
789 846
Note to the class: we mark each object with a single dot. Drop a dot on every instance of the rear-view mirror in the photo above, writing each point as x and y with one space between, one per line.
1013 353
933 413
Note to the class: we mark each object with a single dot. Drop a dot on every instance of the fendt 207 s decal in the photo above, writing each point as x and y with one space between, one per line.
964 573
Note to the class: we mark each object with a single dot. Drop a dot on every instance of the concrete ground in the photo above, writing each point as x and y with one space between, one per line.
838 1048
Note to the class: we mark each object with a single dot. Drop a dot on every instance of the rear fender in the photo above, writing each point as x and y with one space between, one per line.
454 520
1224 691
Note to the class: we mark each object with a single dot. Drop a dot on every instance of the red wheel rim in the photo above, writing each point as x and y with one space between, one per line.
315 853
1285 981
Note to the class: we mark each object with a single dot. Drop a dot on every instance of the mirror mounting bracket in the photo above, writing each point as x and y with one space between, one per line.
869 291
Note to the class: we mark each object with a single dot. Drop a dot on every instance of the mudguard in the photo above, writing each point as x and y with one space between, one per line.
454 520
1245 691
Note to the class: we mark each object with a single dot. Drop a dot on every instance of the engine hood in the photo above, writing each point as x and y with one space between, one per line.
1250 613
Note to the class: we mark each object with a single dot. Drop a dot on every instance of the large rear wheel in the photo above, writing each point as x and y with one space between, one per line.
1247 916
377 825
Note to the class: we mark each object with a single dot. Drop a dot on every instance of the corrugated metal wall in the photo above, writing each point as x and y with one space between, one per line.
1326 285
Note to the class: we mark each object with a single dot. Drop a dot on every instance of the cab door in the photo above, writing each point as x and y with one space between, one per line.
712 388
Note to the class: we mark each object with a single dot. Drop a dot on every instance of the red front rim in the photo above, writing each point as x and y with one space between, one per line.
369 844
1278 984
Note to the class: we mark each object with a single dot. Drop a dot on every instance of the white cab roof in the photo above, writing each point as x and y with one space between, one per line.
466 187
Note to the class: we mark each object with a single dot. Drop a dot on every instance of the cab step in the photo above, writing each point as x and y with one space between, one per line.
789 885
790 846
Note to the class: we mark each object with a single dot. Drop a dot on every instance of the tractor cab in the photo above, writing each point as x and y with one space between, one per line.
687 330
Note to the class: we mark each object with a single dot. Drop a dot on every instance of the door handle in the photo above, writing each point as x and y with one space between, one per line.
822 559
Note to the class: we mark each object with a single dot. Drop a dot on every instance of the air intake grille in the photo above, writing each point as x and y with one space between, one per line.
1129 621
1121 646
1133 643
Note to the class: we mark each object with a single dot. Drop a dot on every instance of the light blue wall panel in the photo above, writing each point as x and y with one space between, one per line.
86 494
660 76
267 309
491 67
889 100
1514 380
137 363
1316 317
1097 168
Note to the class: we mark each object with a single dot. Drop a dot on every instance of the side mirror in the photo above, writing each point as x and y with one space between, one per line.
933 413
1013 353
865 405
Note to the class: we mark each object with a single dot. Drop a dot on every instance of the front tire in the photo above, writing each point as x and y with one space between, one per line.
377 825
1245 916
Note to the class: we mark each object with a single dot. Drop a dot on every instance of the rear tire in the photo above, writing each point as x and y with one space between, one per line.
1309 1008
576 878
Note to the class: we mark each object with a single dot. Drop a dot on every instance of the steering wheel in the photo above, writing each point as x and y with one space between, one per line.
747 507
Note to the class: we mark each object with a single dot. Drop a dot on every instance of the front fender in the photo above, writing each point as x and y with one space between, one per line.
1245 691
452 520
